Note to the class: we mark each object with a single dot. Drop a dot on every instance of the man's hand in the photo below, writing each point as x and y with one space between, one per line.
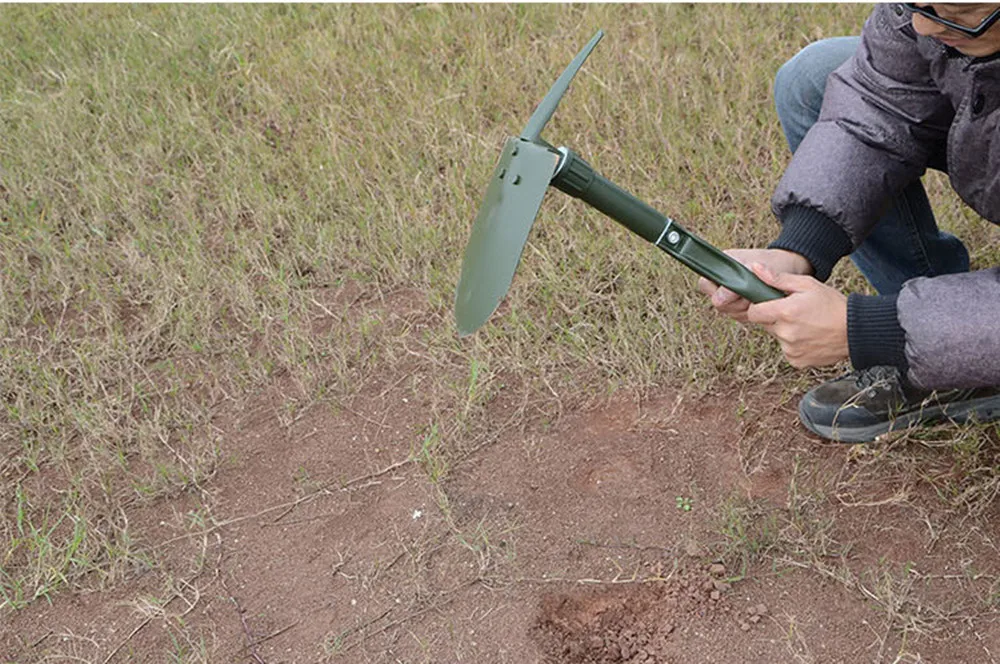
810 323
778 261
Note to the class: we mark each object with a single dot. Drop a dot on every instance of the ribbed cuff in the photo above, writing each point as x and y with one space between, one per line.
874 335
815 236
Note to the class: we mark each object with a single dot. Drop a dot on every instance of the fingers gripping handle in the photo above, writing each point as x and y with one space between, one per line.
714 265
577 178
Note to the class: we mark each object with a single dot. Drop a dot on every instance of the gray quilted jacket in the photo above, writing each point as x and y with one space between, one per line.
902 104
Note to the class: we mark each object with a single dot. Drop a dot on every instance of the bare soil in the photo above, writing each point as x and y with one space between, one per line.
549 541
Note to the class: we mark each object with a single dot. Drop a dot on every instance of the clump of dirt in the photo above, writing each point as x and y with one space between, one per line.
633 624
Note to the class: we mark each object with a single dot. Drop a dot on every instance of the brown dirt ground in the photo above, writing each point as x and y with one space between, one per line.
552 542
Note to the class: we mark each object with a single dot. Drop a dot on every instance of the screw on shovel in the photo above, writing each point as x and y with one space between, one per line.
527 166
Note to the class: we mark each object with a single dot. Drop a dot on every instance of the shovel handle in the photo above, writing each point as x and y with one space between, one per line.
577 178
713 264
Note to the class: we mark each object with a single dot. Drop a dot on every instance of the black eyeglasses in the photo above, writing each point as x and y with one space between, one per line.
972 33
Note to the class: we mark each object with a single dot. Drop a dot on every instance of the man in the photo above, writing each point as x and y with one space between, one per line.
920 88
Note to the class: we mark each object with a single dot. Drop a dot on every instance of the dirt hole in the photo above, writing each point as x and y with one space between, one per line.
633 624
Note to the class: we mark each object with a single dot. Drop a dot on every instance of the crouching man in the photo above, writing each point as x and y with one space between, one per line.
865 117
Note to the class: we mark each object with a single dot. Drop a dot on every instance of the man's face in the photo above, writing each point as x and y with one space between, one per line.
965 14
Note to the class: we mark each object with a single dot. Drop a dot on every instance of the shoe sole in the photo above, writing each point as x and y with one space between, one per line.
985 409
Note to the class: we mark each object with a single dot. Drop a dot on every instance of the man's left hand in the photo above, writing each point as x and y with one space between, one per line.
810 323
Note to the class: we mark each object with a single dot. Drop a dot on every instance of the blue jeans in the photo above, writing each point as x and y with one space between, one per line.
906 242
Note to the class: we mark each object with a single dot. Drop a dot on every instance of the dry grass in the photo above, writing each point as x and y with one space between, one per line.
191 197
938 483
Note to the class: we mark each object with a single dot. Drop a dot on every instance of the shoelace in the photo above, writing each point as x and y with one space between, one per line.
888 377
876 376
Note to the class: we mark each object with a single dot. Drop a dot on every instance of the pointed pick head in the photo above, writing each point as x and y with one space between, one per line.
533 130
514 194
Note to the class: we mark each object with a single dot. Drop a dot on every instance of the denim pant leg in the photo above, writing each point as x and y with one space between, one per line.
906 242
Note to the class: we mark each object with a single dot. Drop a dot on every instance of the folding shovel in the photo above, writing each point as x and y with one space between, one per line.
527 166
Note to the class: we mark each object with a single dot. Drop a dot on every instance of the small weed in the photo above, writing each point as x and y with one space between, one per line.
333 644
304 481
431 456
197 519
490 547
684 503
185 647
751 530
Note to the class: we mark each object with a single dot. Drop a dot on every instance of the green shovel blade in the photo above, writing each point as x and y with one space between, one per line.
514 194
513 197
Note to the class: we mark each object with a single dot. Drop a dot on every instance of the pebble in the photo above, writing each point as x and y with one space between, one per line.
717 569
745 626
716 595
755 619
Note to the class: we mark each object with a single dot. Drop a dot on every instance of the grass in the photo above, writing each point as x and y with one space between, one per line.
938 476
191 197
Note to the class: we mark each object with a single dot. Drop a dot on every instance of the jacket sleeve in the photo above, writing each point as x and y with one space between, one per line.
941 332
882 119
952 331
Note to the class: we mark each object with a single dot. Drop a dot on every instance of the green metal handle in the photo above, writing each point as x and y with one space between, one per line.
714 265
578 179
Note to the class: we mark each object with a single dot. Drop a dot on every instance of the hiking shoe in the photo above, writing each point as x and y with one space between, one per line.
862 405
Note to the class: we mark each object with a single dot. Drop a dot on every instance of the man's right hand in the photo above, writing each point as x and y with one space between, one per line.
779 261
